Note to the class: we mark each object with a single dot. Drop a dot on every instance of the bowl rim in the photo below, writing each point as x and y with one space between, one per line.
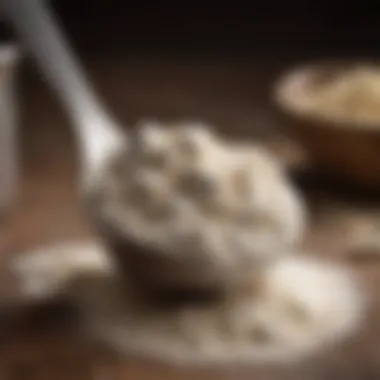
282 87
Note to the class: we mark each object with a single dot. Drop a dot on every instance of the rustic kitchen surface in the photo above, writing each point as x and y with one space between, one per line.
233 94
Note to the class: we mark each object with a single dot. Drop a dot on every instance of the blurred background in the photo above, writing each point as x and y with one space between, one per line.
266 27
215 62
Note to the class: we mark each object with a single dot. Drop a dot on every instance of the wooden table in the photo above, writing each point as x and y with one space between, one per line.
232 95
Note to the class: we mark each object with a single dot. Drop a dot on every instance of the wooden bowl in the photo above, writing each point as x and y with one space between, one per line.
346 150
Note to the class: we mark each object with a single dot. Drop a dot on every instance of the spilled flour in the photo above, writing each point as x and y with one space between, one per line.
296 307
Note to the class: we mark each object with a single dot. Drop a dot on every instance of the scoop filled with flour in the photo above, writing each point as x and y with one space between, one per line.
184 208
